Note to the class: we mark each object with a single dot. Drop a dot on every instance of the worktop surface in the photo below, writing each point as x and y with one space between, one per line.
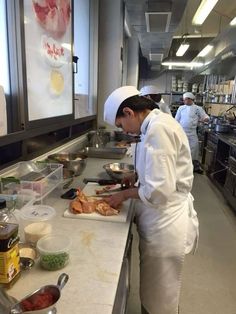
96 256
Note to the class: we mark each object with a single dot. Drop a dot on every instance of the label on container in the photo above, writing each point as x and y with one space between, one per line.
8 236
9 264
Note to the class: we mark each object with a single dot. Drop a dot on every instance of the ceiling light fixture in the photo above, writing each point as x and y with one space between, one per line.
203 11
182 49
183 64
205 51
233 22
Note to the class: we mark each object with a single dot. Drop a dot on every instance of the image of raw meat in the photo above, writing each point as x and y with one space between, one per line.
53 15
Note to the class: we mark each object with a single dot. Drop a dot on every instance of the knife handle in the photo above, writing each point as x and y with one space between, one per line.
100 181
106 182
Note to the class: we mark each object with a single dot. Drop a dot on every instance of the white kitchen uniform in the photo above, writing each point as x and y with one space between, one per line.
188 117
166 221
164 107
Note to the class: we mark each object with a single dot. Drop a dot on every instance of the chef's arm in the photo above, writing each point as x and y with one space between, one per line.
118 198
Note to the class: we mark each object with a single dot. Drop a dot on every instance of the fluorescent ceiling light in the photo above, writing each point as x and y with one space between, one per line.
183 64
233 22
205 51
182 49
203 11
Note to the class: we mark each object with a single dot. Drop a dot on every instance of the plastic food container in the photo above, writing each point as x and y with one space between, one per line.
54 251
35 178
36 221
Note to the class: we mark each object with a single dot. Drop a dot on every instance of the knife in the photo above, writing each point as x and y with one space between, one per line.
100 181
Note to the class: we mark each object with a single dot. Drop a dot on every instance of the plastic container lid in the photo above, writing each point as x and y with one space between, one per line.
38 212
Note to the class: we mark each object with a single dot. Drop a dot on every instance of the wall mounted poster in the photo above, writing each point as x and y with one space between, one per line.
48 58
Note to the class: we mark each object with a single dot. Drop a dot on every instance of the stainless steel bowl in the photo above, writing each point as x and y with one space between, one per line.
119 170
75 162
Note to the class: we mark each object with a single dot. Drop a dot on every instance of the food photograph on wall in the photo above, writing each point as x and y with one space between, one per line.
48 58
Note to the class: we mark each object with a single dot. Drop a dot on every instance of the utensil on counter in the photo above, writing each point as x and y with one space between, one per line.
100 181
68 183
28 304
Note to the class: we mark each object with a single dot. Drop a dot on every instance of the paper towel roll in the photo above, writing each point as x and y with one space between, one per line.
3 113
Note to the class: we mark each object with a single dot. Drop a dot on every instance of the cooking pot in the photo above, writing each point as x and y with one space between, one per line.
54 291
222 128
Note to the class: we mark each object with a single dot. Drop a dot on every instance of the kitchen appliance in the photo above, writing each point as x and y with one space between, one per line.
222 128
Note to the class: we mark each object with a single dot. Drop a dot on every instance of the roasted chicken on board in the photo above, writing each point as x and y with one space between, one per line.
83 204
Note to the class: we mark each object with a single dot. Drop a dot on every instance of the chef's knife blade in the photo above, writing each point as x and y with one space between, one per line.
100 181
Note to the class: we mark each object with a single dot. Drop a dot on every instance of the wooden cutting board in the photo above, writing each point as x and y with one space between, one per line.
90 190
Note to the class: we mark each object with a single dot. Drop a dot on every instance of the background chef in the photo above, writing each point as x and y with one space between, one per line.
166 220
152 92
188 116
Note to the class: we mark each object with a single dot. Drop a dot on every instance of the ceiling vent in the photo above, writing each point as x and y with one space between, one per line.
158 22
156 57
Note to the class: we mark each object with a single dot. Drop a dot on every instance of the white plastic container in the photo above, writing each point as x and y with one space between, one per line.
36 221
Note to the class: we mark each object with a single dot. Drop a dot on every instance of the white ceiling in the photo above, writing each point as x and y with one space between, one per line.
159 44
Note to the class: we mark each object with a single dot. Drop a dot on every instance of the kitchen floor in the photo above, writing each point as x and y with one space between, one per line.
209 280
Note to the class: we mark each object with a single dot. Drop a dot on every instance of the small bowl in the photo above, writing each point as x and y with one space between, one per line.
119 170
54 251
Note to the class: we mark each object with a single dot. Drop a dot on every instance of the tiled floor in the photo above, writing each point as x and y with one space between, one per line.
209 281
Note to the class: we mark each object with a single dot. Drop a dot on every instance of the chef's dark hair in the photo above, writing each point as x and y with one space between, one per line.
156 97
137 104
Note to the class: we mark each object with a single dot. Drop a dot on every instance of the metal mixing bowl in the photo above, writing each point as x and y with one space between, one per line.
119 170
75 162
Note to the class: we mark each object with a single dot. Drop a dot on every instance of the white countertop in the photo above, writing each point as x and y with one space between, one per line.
95 258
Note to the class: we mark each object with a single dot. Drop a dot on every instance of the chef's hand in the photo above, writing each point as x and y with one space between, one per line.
129 181
115 200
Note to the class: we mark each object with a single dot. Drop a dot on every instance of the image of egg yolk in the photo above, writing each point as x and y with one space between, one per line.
57 82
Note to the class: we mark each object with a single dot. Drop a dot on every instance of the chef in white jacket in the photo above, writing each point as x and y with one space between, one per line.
152 92
188 116
166 220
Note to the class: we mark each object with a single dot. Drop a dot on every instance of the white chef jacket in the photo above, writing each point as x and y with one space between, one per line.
164 107
166 221
188 117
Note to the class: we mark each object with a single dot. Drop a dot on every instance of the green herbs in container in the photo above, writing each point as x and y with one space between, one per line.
54 251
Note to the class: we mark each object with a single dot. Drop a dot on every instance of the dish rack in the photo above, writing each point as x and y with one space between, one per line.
37 179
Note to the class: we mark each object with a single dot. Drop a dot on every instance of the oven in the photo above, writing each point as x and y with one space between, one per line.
230 182
210 152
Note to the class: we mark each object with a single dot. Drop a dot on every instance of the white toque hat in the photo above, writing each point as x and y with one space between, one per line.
148 90
188 95
114 101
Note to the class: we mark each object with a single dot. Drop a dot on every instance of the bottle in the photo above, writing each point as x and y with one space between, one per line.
9 246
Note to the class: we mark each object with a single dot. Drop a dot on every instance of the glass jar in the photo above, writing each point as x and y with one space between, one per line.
7 212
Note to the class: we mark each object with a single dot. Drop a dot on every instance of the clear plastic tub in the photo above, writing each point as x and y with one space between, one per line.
37 179
54 251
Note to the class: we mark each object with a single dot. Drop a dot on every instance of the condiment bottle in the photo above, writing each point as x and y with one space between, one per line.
9 254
